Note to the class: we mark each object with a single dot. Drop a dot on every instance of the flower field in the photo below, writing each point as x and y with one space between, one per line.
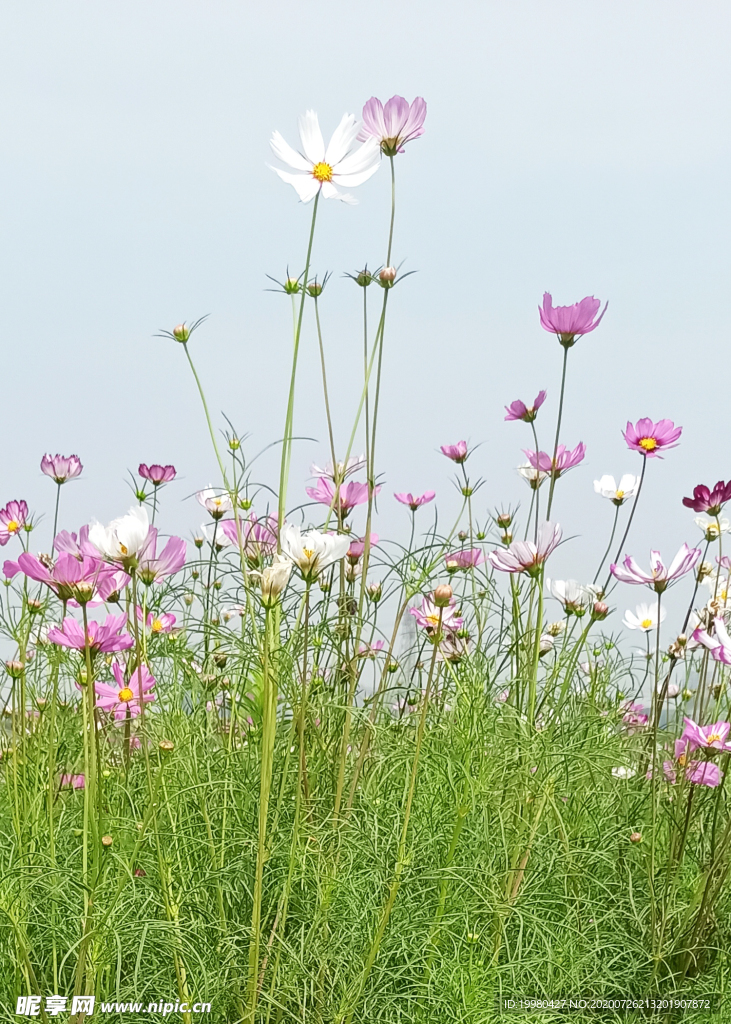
305 772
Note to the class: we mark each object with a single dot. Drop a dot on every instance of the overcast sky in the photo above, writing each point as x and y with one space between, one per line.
579 148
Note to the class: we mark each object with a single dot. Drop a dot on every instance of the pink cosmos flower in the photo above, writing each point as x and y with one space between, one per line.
259 536
659 577
156 474
704 773
720 644
710 501
349 495
157 623
525 556
394 124
370 650
125 699
427 616
706 736
564 460
76 545
153 567
357 547
518 410
634 714
456 452
71 579
104 637
570 322
61 467
650 438
468 559
12 520
343 469
407 498
73 781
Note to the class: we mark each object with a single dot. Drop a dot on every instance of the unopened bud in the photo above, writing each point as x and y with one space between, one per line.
198 541
364 278
166 746
234 443
599 611
245 504
189 599
392 666
635 837
374 592
480 535
504 520
181 332
107 842
292 286
682 639
462 536
15 668
314 290
442 595
704 569
34 606
387 276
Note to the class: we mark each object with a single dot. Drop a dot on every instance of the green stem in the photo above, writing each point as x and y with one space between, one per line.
558 432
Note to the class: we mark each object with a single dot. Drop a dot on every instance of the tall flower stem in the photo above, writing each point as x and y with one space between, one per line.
654 782
558 431
301 720
287 438
609 545
55 517
629 521
533 681
211 431
324 390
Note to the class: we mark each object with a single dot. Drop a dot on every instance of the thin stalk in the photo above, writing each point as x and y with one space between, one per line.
558 431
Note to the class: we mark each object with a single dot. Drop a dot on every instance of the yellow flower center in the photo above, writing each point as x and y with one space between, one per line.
13 526
308 553
714 738
123 549
125 694
682 759
646 623
619 494
433 620
648 443
156 626
322 172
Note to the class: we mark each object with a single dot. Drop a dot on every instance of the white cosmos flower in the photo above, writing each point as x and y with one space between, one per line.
574 597
344 469
531 475
644 617
710 527
312 551
222 539
123 539
623 773
607 487
217 504
321 169
274 579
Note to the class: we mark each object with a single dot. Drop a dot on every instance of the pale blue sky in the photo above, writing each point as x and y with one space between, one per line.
571 146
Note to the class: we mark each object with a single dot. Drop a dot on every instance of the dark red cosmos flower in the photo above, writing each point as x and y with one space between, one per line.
710 501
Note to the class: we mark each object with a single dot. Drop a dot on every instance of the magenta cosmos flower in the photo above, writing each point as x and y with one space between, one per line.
659 577
357 547
468 559
71 579
125 699
156 474
72 781
74 544
157 622
456 452
720 644
650 438
427 616
710 501
258 536
518 410
634 714
394 124
524 555
570 322
700 773
564 460
12 520
415 502
708 737
152 567
104 637
349 495
61 467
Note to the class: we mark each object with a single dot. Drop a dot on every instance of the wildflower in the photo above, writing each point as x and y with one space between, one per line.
12 520
216 537
157 623
429 614
61 467
633 714
73 781
76 545
659 577
124 538
415 502
564 459
672 690
644 617
635 837
274 579
394 124
712 528
357 547
704 773
532 476
312 551
104 638
570 322
468 559
710 501
527 556
518 410
650 438
72 579
348 495
546 643
627 488
374 592
370 650
456 452
157 475
600 611
386 277
217 504
708 737
574 597
341 470
623 773
320 168
258 536
153 567
15 669
125 699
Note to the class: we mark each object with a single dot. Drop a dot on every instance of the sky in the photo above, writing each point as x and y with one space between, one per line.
570 147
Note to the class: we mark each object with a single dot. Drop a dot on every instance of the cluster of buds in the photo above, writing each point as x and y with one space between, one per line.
678 646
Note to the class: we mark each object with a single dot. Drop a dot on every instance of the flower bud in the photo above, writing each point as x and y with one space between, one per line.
704 569
234 443
15 668
292 286
387 276
245 504
374 592
198 541
462 536
181 333
314 290
189 599
392 666
599 611
274 579
635 837
480 535
442 595
504 520
166 746
107 842
555 628
34 606
687 694
364 278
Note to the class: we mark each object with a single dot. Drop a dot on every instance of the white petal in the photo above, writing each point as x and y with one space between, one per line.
352 180
365 157
342 139
330 192
287 155
312 141
305 185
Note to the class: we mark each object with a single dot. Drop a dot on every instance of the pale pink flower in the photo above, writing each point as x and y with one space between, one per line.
415 501
104 637
61 467
527 556
518 410
72 781
342 469
456 452
370 650
659 577
570 322
153 567
78 580
156 474
468 559
357 547
215 502
564 460
633 714
76 545
394 124
349 495
258 536
428 615
720 644
157 622
125 699
12 520
713 736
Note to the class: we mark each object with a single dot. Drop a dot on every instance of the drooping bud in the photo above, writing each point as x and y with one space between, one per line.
107 842
442 595
181 333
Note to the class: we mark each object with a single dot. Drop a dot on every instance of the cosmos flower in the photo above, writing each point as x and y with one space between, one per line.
627 488
572 595
157 622
394 124
156 474
312 551
712 528
357 547
644 617
153 567
72 579
570 322
707 737
526 556
650 438
61 467
711 501
72 781
341 469
125 699
427 615
659 577
468 559
633 714
12 520
104 637
564 459
456 452
415 502
518 410
320 169
349 495
123 538
720 644
217 504
273 579
532 476
258 536
76 545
